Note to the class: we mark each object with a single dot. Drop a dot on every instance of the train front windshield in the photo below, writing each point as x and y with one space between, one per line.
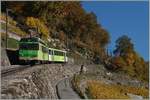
27 46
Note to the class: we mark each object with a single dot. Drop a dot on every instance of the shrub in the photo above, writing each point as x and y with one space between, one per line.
118 61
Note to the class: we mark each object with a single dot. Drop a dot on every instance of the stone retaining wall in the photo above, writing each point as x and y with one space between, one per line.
36 83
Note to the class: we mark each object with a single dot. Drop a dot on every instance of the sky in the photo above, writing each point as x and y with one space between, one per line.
123 18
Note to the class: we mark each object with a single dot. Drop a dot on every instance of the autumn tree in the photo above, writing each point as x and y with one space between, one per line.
69 18
38 24
62 36
119 62
128 59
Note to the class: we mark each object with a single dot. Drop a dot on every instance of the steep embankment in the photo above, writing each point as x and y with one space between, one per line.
36 82
4 58
99 83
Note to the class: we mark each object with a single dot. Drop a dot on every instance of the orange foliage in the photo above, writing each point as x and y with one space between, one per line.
118 61
130 58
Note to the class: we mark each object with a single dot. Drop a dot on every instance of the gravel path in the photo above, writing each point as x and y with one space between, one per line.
65 91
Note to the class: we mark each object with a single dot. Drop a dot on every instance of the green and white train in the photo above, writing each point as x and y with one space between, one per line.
34 50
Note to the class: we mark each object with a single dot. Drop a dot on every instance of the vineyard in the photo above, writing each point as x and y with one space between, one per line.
99 90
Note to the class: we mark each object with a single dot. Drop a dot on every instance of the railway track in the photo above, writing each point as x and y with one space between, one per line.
13 70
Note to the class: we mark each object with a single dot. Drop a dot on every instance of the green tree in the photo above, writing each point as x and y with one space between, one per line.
123 45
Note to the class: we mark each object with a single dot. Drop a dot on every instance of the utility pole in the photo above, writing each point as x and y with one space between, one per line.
6 25
7 22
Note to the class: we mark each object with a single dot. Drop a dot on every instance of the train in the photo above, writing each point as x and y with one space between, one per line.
34 50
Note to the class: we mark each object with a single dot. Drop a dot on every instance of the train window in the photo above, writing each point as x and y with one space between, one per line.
55 53
27 46
44 49
29 40
66 54
59 53
62 53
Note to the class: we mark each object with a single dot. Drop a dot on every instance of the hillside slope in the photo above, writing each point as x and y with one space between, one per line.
67 26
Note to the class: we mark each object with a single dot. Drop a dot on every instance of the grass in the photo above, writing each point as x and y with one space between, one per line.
99 90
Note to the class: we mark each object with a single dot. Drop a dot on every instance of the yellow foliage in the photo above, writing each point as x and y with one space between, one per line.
36 23
42 28
3 17
10 20
136 66
98 90
31 22
129 57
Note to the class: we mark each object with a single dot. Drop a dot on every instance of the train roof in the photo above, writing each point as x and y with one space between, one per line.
57 50
33 39
36 39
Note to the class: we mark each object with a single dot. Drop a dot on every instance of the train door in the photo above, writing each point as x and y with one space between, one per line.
50 55
43 53
39 52
66 57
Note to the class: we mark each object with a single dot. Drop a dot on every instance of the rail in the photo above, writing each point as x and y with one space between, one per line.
10 71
